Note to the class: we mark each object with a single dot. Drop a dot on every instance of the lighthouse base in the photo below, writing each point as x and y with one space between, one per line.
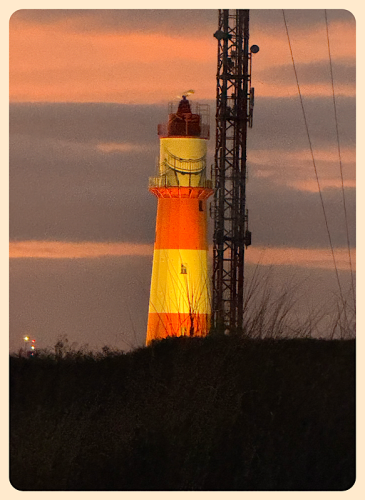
163 325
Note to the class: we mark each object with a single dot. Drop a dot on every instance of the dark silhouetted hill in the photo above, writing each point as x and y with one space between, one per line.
220 413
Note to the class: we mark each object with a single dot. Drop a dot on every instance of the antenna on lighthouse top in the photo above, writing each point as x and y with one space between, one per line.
185 94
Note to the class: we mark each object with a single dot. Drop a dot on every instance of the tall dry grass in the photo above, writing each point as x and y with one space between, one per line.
274 310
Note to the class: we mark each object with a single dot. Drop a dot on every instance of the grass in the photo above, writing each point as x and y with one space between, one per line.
276 311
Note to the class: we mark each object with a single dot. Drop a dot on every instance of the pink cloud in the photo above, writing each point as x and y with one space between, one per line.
295 168
301 257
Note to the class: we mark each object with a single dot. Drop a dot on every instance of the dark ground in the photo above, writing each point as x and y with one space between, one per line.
220 413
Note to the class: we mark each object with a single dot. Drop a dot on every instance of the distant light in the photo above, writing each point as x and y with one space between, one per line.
26 338
32 347
33 340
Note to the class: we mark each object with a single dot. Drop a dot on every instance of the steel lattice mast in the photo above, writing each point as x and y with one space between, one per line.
233 116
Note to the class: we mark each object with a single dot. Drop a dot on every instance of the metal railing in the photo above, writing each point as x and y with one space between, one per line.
162 131
163 181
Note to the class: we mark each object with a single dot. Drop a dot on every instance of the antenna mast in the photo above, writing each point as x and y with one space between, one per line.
235 99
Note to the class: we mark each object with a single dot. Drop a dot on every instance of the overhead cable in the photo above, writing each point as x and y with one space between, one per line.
340 161
315 167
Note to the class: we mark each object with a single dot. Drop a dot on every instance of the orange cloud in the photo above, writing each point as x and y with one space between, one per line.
54 63
301 257
267 89
263 156
72 250
312 186
307 46
283 256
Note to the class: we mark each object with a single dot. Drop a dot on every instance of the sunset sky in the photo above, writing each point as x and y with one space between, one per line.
87 90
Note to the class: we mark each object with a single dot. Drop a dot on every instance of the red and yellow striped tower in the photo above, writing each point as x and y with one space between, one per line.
180 297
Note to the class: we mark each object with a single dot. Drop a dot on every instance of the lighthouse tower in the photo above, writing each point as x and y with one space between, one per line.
180 297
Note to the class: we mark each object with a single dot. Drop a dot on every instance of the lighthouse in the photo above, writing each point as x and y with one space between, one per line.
180 295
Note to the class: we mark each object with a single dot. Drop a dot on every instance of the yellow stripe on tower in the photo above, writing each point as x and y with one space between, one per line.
180 282
180 299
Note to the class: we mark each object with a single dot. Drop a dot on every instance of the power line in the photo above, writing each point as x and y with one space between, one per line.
340 161
314 166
